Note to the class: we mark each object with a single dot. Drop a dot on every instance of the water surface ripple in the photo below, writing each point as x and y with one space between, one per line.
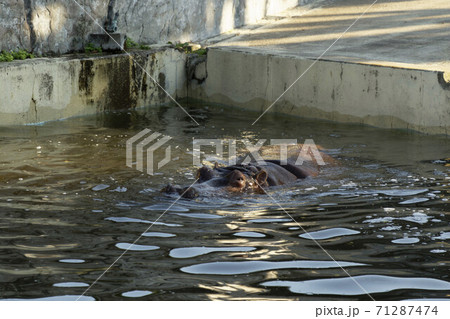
69 207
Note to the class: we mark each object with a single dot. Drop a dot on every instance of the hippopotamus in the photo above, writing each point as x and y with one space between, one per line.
251 176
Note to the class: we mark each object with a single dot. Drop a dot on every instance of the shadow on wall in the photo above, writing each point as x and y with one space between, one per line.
52 26
63 26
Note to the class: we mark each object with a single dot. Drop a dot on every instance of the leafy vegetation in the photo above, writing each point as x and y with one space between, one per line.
130 44
187 48
20 54
201 51
91 48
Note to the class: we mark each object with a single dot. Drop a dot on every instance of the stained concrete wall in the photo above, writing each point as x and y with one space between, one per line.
43 89
61 26
339 91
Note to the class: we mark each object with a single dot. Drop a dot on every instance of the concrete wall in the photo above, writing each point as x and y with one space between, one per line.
43 89
61 26
338 91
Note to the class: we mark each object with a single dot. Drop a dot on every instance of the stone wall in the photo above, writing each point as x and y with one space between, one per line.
61 26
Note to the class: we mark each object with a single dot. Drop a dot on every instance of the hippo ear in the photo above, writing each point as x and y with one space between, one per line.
204 174
261 177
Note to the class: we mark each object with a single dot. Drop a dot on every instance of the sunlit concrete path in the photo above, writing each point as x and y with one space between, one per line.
383 63
407 33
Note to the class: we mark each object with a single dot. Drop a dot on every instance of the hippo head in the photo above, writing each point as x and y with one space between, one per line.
231 179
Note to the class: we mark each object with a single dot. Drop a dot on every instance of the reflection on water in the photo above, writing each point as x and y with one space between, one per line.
189 252
329 233
136 293
69 207
246 267
359 285
131 246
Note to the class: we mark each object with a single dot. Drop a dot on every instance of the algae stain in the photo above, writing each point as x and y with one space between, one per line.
46 86
162 82
86 76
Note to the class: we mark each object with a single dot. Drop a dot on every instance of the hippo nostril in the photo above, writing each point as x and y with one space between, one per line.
169 189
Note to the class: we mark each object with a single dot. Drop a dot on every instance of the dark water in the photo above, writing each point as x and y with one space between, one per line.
69 207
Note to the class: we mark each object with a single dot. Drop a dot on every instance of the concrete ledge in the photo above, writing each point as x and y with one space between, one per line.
386 97
108 42
44 89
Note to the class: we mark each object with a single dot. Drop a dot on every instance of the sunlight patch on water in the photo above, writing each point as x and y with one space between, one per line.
348 287
246 267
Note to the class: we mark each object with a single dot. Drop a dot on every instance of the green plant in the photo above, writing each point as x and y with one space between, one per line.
184 45
130 44
6 57
201 51
91 48
20 54
187 48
